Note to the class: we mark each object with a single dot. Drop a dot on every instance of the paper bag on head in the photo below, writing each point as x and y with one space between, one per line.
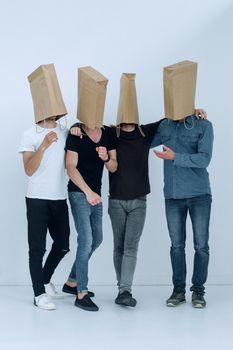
179 89
92 87
46 93
128 107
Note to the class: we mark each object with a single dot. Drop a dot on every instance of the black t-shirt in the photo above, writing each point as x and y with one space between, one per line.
89 164
131 180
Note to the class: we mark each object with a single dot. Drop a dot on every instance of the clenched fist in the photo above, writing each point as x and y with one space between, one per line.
49 139
102 152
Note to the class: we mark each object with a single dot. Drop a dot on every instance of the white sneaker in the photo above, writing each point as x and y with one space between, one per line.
43 302
52 292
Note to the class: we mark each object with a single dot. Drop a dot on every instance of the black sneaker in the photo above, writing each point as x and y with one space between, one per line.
73 290
177 298
125 298
198 300
86 303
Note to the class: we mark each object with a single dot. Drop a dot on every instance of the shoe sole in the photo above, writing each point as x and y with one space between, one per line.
126 303
87 308
43 308
199 306
170 304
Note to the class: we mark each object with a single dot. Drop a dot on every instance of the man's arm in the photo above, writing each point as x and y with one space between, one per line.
108 157
73 173
112 164
150 129
201 159
156 139
32 160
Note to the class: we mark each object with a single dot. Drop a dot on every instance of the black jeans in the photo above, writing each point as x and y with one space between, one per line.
43 215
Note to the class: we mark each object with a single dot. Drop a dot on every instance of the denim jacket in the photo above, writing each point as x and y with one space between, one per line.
192 141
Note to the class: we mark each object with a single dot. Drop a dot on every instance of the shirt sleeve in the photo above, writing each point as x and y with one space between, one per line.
112 139
27 143
72 143
202 158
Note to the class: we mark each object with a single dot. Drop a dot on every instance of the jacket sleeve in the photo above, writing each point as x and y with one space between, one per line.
202 158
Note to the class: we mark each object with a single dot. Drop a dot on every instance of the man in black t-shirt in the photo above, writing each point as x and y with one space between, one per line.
85 159
128 187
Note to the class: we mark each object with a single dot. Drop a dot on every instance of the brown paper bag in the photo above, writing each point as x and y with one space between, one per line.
92 87
46 93
128 107
179 89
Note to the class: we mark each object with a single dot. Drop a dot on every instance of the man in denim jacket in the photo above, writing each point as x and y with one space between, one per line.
187 145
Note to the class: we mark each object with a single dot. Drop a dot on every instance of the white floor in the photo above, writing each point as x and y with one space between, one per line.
151 325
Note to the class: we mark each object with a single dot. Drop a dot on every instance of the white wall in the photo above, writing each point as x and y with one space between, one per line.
116 37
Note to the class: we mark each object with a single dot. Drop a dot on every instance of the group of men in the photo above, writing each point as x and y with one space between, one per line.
89 146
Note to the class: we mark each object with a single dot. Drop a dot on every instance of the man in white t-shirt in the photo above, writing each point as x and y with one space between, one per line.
42 147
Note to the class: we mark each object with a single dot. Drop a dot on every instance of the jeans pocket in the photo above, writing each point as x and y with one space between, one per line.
113 203
76 195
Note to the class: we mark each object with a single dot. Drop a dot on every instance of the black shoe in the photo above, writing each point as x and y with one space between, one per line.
86 303
177 298
73 290
198 300
125 298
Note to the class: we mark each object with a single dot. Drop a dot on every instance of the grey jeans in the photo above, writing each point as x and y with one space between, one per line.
127 218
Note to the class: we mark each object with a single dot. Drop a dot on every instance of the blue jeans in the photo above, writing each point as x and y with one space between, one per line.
127 218
88 224
176 212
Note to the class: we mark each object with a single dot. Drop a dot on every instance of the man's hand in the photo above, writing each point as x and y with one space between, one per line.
201 113
167 154
76 131
32 160
93 198
48 140
102 153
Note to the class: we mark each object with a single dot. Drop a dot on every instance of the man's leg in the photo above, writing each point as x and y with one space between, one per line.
60 231
118 215
199 209
176 214
70 286
136 213
38 219
96 225
81 211
133 230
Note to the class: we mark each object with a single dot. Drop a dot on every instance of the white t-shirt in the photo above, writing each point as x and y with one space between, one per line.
50 180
